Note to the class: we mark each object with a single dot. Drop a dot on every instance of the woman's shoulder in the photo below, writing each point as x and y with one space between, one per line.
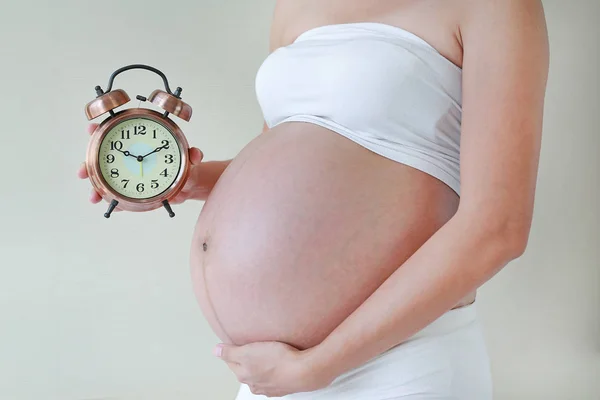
435 21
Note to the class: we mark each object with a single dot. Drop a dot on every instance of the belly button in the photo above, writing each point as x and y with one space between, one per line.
205 241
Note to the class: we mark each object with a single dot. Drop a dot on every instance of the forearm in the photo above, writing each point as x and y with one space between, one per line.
456 260
204 176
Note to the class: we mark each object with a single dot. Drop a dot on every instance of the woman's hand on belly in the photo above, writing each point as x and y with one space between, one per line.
272 368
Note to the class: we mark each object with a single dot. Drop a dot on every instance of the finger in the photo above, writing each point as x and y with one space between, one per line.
82 171
256 389
91 128
196 155
240 373
238 370
177 200
95 197
227 352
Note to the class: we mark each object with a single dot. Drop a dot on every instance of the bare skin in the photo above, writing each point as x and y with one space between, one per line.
296 234
506 59
319 226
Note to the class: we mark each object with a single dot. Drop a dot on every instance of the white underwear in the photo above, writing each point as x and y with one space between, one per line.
447 360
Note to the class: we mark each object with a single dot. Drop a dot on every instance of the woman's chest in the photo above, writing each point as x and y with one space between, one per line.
436 21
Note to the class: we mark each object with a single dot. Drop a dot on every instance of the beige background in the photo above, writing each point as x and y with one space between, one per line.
97 309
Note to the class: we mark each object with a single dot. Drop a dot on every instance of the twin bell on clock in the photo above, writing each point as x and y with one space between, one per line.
137 158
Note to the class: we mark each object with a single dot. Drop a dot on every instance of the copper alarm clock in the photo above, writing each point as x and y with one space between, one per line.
137 158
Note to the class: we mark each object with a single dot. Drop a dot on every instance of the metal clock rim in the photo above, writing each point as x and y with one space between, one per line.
106 191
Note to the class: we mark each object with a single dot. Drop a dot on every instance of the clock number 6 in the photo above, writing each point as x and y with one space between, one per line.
140 187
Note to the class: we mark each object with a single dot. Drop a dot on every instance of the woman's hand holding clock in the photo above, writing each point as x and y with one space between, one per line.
192 187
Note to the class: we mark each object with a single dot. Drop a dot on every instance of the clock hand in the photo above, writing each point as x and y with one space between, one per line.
154 151
127 153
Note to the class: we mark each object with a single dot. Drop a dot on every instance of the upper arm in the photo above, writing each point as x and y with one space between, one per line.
505 69
277 27
275 38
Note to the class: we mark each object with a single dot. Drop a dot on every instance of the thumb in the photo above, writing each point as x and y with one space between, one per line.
227 352
196 155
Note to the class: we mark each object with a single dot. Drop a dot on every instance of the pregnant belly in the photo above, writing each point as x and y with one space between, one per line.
301 228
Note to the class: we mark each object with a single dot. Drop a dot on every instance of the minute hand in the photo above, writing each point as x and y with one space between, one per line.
153 151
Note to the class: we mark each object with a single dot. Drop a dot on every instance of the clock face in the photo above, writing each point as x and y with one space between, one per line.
139 158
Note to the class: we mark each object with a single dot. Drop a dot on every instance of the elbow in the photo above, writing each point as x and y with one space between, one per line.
506 243
514 241
506 236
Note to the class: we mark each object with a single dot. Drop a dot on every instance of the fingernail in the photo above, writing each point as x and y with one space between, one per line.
218 350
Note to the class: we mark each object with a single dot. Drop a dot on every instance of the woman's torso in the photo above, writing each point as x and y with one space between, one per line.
305 224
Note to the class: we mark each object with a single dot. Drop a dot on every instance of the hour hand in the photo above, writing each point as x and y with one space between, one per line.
127 153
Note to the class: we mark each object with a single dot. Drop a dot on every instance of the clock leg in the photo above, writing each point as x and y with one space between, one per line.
111 207
168 208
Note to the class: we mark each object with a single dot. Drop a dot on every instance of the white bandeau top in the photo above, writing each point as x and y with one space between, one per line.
376 84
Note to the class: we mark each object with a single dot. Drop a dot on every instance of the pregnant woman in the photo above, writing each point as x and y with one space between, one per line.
338 255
